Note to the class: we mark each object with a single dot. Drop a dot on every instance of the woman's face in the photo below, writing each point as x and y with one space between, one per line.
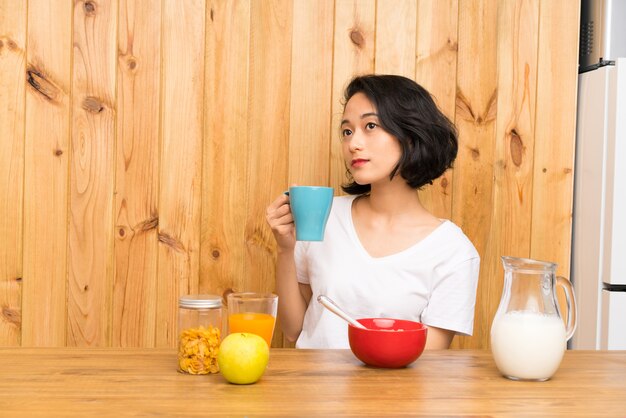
370 152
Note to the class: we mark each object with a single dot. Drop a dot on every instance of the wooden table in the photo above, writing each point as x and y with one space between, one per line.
58 382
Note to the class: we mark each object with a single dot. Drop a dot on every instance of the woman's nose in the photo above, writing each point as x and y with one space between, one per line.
356 143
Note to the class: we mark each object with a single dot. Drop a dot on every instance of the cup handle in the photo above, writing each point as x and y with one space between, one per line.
571 305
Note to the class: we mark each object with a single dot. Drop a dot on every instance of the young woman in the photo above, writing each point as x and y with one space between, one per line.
383 254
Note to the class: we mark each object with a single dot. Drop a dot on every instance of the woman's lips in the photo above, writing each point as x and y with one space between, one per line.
359 162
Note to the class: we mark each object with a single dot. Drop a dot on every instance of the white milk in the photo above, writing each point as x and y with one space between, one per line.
528 345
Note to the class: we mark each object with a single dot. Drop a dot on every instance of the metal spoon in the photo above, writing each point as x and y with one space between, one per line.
331 306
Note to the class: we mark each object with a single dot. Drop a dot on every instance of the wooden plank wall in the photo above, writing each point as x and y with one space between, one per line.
141 141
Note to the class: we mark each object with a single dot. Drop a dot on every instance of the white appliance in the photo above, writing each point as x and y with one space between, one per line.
599 235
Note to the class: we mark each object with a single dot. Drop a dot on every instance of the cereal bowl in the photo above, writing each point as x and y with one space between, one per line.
388 343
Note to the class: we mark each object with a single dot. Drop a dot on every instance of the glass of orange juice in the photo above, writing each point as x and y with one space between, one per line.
252 312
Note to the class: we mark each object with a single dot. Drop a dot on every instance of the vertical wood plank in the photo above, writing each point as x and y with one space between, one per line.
511 209
354 49
183 34
137 180
396 28
12 100
225 170
92 173
476 104
435 70
268 134
518 26
557 78
44 304
310 103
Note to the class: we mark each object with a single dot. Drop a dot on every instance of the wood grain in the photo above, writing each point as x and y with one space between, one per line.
556 112
91 174
116 383
518 31
226 173
310 102
268 137
435 70
553 184
310 96
12 102
188 118
476 105
268 134
136 175
180 160
353 54
396 28
46 172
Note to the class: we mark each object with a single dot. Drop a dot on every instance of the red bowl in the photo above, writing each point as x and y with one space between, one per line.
389 343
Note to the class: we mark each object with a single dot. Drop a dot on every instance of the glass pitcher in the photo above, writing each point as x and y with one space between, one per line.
528 337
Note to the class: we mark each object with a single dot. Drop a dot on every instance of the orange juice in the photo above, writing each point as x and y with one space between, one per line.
256 323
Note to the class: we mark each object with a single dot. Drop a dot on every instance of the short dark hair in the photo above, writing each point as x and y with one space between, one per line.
408 112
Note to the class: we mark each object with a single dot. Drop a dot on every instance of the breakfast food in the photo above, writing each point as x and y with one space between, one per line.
243 358
198 349
257 323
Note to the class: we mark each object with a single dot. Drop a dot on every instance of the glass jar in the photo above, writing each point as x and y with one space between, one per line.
199 333
528 337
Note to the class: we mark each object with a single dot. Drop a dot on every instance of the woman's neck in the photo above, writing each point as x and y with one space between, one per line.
391 219
394 199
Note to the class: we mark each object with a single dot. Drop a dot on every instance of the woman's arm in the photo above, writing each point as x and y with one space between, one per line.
293 298
438 338
452 304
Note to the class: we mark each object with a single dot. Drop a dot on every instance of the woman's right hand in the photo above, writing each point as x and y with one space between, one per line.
279 218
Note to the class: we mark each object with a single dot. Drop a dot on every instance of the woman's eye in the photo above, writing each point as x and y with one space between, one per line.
371 125
346 132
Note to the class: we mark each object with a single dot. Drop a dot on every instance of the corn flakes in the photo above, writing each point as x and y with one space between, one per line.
197 350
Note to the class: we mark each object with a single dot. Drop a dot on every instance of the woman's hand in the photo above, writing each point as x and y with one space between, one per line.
279 218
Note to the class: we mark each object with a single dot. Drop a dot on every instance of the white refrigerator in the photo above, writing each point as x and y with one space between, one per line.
599 236
598 264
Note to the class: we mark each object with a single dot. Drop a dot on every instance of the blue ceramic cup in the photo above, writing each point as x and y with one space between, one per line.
310 207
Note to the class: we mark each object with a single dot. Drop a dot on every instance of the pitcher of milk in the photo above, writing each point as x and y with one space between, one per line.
528 337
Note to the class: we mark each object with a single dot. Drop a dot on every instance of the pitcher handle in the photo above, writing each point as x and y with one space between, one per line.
571 306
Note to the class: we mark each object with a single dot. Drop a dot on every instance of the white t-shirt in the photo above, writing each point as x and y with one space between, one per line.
433 281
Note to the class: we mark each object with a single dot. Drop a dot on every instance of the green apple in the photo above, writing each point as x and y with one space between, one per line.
243 358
